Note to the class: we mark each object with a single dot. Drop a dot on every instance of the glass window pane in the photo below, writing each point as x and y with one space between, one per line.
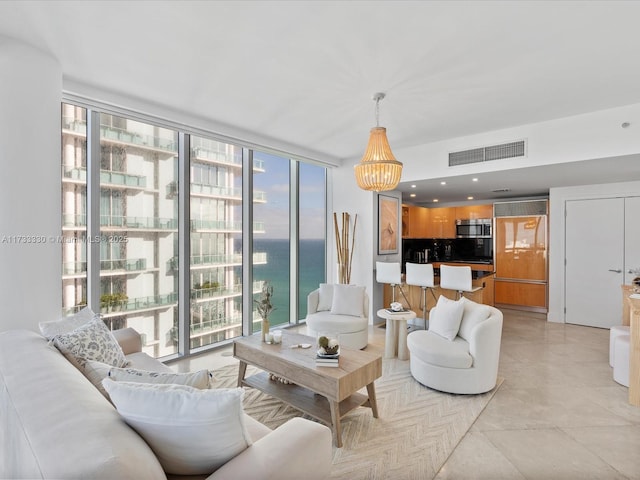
216 241
74 209
139 231
311 253
271 234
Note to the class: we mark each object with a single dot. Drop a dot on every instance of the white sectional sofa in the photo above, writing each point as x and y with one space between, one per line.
55 424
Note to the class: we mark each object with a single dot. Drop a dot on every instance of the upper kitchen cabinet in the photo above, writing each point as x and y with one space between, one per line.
442 223
415 222
472 212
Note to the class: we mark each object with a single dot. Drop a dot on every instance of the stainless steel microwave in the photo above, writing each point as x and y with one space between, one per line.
475 228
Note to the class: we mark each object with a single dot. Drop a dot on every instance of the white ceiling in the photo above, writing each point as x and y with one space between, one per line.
302 73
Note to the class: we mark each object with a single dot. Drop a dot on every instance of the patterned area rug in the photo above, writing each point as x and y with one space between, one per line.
417 429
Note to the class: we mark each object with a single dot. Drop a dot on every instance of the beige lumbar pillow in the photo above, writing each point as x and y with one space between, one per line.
191 431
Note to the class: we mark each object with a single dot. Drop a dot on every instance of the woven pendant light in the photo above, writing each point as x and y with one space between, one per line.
378 170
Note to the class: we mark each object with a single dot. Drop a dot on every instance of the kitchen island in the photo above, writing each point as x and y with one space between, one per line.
482 276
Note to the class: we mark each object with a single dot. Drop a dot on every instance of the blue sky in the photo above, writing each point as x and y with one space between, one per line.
275 213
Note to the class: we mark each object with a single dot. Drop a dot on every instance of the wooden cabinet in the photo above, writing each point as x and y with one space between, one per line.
415 222
442 222
472 212
521 262
422 222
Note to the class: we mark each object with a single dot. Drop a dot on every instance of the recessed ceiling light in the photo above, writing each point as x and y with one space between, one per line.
469 198
443 183
413 186
412 195
474 179
435 200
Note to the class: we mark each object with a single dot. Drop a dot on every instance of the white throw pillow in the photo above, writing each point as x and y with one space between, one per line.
325 297
474 314
445 318
347 300
92 341
191 431
199 379
66 324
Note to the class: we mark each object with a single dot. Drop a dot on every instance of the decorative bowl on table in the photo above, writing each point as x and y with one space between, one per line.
328 345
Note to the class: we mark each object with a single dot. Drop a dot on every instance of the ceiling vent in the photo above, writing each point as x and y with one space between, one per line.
486 154
518 209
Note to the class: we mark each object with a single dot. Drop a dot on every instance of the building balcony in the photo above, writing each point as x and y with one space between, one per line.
199 262
221 157
143 223
107 177
140 304
119 135
113 267
223 226
200 295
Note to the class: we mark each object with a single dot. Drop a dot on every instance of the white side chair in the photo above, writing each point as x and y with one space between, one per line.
421 275
458 279
390 273
614 333
621 359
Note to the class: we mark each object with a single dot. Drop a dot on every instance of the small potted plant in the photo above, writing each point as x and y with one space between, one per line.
264 307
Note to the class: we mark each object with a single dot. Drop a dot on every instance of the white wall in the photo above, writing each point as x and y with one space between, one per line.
582 137
557 199
30 191
348 197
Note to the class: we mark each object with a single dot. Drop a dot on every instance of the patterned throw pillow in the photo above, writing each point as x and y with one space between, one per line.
92 341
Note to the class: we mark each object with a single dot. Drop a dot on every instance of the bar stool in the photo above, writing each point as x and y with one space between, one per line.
421 275
390 273
458 279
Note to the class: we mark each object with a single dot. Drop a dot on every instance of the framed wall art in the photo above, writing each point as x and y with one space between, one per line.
388 224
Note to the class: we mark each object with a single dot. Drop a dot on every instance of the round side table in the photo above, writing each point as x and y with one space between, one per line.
396 335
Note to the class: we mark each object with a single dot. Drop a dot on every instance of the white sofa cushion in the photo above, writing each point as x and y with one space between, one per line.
347 300
445 317
327 322
91 341
474 314
433 349
66 324
191 431
325 297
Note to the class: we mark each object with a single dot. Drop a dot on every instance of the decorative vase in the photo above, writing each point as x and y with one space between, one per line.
265 329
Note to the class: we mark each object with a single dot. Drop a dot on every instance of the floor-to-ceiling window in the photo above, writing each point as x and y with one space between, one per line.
136 180
271 233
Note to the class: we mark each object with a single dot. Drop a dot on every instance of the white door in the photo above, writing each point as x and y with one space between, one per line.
631 238
594 254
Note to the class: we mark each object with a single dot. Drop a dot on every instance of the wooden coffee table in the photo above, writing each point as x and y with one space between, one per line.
324 393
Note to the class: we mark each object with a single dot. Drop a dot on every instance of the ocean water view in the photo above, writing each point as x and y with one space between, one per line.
276 271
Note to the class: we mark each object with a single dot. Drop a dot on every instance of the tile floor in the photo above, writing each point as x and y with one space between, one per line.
557 416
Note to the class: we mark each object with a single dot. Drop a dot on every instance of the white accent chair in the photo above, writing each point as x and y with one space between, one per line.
342 309
467 364
458 278
421 275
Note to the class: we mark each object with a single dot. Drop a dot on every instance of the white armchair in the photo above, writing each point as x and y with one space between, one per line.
341 309
467 361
